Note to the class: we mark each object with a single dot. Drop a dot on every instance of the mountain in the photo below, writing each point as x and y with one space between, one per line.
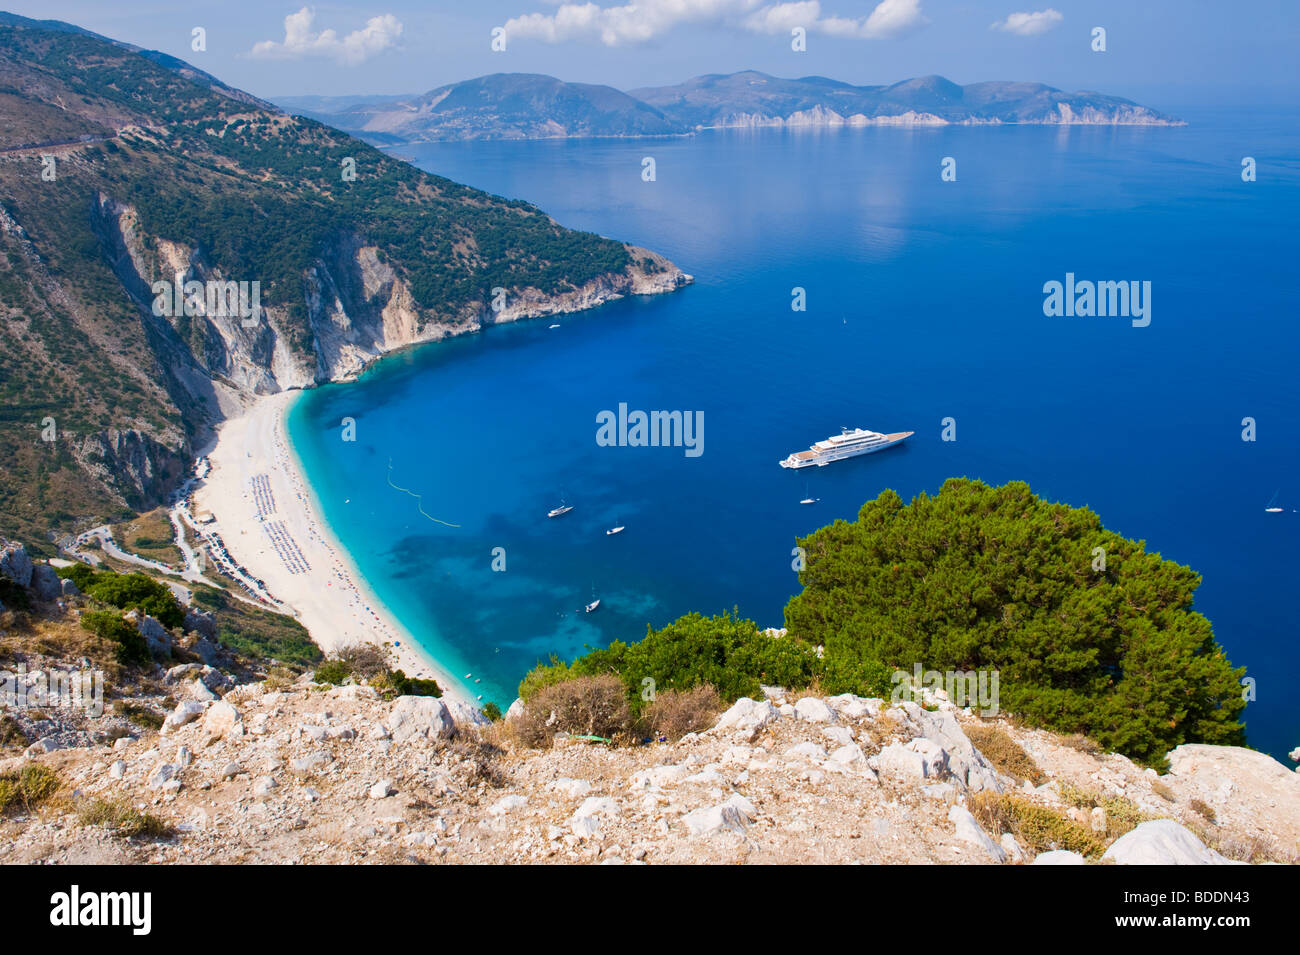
158 172
756 99
530 106
500 106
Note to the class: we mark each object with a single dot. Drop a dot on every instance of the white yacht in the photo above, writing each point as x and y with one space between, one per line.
615 530
559 511
848 444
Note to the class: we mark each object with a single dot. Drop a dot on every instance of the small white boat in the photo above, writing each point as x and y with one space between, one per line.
555 326
615 530
1273 510
809 500
592 606
559 511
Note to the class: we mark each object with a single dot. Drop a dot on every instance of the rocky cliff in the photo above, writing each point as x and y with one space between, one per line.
170 249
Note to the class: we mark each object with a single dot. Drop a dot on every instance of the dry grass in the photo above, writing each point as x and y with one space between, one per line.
1122 815
586 706
1004 753
673 714
1163 791
123 819
1203 809
26 789
150 535
1037 826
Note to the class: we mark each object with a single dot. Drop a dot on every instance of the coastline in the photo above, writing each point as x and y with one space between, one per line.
318 581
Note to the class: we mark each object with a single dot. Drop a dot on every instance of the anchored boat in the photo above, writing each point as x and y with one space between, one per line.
847 444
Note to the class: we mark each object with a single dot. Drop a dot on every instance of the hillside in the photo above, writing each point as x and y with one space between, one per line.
304 772
160 172
222 736
751 98
500 106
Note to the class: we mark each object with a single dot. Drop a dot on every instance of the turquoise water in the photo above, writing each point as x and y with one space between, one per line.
924 302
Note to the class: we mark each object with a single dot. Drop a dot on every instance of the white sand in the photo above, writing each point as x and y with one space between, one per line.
331 598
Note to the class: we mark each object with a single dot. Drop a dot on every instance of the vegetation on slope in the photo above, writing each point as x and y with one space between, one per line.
973 578
262 196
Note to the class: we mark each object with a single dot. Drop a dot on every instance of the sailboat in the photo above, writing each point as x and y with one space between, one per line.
1270 508
806 498
559 511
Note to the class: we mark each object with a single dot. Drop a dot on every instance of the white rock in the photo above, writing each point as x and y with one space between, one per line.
223 721
187 711
733 815
507 804
838 734
162 775
814 710
117 770
263 785
515 710
424 717
1162 842
571 787
1059 857
850 758
230 770
382 789
311 762
917 759
658 776
746 718
200 692
806 750
1011 847
968 830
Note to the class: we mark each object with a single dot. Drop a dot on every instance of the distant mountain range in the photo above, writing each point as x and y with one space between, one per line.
532 106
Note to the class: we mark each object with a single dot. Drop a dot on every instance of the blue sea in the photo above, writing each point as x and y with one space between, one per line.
924 303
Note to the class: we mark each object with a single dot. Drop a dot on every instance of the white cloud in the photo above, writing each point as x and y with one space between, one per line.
1029 24
644 20
379 34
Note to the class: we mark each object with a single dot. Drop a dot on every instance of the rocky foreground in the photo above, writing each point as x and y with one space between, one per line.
305 772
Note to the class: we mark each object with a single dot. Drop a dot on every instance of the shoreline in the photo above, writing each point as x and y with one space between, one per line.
279 535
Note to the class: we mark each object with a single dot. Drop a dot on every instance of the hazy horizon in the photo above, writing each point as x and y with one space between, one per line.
400 47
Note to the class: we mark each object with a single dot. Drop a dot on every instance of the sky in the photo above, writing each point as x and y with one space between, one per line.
1163 53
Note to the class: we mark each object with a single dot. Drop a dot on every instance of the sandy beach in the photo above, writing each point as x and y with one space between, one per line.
266 518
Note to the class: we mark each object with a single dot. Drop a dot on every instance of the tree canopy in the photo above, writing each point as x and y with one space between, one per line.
1088 631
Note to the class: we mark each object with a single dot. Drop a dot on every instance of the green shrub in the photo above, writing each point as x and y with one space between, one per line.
1039 827
335 672
138 592
26 788
122 818
131 648
979 578
725 652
